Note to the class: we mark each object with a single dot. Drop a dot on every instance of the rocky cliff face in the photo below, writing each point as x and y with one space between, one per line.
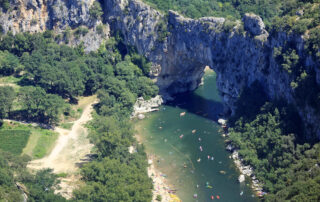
59 15
182 48
179 47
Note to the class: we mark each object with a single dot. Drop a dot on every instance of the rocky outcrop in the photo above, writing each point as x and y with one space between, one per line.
180 48
254 24
144 106
72 13
59 15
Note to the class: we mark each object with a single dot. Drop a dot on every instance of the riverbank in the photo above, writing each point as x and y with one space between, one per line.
176 141
245 170
160 184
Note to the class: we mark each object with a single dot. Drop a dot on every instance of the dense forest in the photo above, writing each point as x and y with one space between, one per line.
51 77
269 136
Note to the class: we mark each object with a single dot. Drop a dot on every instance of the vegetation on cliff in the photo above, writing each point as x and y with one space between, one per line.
267 9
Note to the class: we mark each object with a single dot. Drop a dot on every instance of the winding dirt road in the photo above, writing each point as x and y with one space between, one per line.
70 152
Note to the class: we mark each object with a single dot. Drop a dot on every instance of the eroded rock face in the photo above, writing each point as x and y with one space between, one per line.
70 13
238 57
254 24
58 15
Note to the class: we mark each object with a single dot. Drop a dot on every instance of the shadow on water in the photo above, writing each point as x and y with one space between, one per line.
194 160
193 103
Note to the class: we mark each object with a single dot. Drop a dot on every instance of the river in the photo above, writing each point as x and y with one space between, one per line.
176 141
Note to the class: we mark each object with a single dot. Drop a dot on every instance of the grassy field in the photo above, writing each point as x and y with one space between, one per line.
26 139
35 141
13 138
40 143
67 126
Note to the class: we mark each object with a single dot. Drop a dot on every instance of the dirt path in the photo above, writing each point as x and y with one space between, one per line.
8 84
70 152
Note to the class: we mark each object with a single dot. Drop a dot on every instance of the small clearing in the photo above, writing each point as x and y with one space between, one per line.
72 149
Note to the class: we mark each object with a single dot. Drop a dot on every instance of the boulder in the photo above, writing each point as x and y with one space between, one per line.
241 178
141 116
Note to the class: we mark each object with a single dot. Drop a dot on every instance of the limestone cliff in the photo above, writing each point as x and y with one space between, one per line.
180 48
59 15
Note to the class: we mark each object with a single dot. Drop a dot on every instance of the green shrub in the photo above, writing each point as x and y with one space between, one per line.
34 21
100 29
5 4
162 30
96 10
67 35
228 25
81 31
159 198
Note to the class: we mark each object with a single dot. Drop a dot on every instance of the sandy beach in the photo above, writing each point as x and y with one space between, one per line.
160 185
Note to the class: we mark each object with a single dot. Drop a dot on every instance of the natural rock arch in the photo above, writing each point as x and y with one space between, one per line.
239 55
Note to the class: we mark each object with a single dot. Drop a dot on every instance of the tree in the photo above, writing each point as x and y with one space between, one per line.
41 106
116 182
7 96
9 63
8 191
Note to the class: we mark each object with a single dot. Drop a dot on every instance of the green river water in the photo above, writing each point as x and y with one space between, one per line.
160 132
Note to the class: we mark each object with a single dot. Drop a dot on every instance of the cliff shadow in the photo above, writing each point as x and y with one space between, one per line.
199 105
